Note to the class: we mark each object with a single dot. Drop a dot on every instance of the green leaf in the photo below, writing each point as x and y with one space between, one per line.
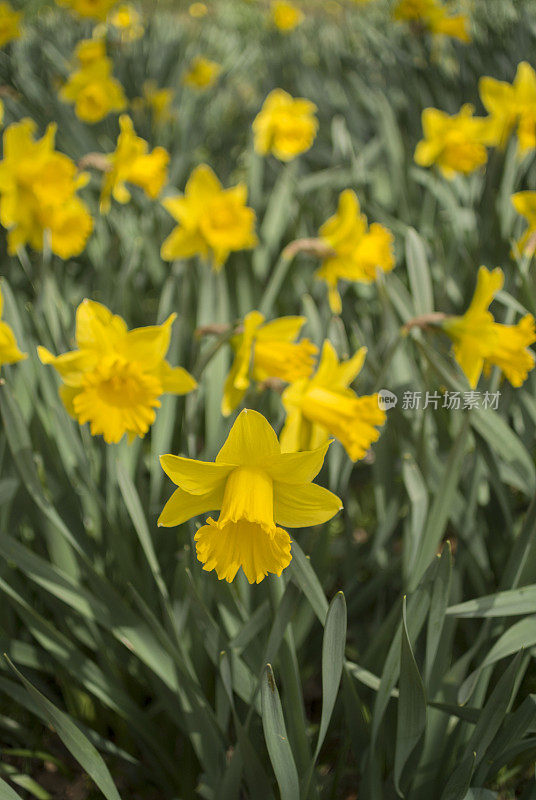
275 734
522 634
420 280
501 604
411 719
333 646
304 575
458 783
7 793
74 740
438 608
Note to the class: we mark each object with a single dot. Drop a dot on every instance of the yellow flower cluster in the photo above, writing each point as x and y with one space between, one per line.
433 16
457 143
38 193
115 377
9 24
358 251
92 87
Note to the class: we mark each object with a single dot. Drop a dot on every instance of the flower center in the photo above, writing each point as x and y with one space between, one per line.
248 497
284 360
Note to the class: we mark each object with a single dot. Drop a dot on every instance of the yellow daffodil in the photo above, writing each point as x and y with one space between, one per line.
256 488
512 107
285 126
197 10
158 101
433 16
359 251
525 204
128 22
202 73
285 16
9 24
38 193
455 143
9 352
213 221
132 163
324 405
115 378
91 9
92 88
480 342
266 350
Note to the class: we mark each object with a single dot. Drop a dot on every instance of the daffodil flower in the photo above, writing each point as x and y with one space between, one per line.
213 221
256 488
285 126
9 351
525 204
480 342
266 350
512 107
115 378
9 24
455 143
90 9
433 16
285 16
92 87
324 406
202 73
358 251
132 163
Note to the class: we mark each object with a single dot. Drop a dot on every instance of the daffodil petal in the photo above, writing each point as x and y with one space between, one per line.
251 441
182 506
297 467
195 477
297 506
176 380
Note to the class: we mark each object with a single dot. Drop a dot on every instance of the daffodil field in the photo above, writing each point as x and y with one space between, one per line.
268 400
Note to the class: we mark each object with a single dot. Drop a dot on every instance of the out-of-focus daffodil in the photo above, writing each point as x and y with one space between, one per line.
285 16
92 87
359 251
127 21
512 107
525 204
38 193
285 126
115 378
9 24
202 73
256 488
481 343
433 16
213 221
91 9
197 10
9 351
455 143
324 406
266 350
132 163
158 100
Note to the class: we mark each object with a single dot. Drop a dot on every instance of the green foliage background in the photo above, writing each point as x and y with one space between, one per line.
124 647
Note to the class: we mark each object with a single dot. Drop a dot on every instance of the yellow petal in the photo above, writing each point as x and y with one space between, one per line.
488 284
298 506
195 477
182 506
525 204
284 329
96 327
70 366
295 468
148 345
251 441
176 380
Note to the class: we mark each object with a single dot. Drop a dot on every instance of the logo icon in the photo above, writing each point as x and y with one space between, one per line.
386 399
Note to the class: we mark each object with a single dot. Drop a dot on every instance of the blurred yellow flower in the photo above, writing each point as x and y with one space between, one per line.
324 405
128 22
9 24
115 378
525 204
256 488
285 126
359 251
480 342
512 107
266 350
38 193
285 16
92 88
433 16
9 351
213 221
158 100
92 9
202 73
197 10
132 163
455 143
